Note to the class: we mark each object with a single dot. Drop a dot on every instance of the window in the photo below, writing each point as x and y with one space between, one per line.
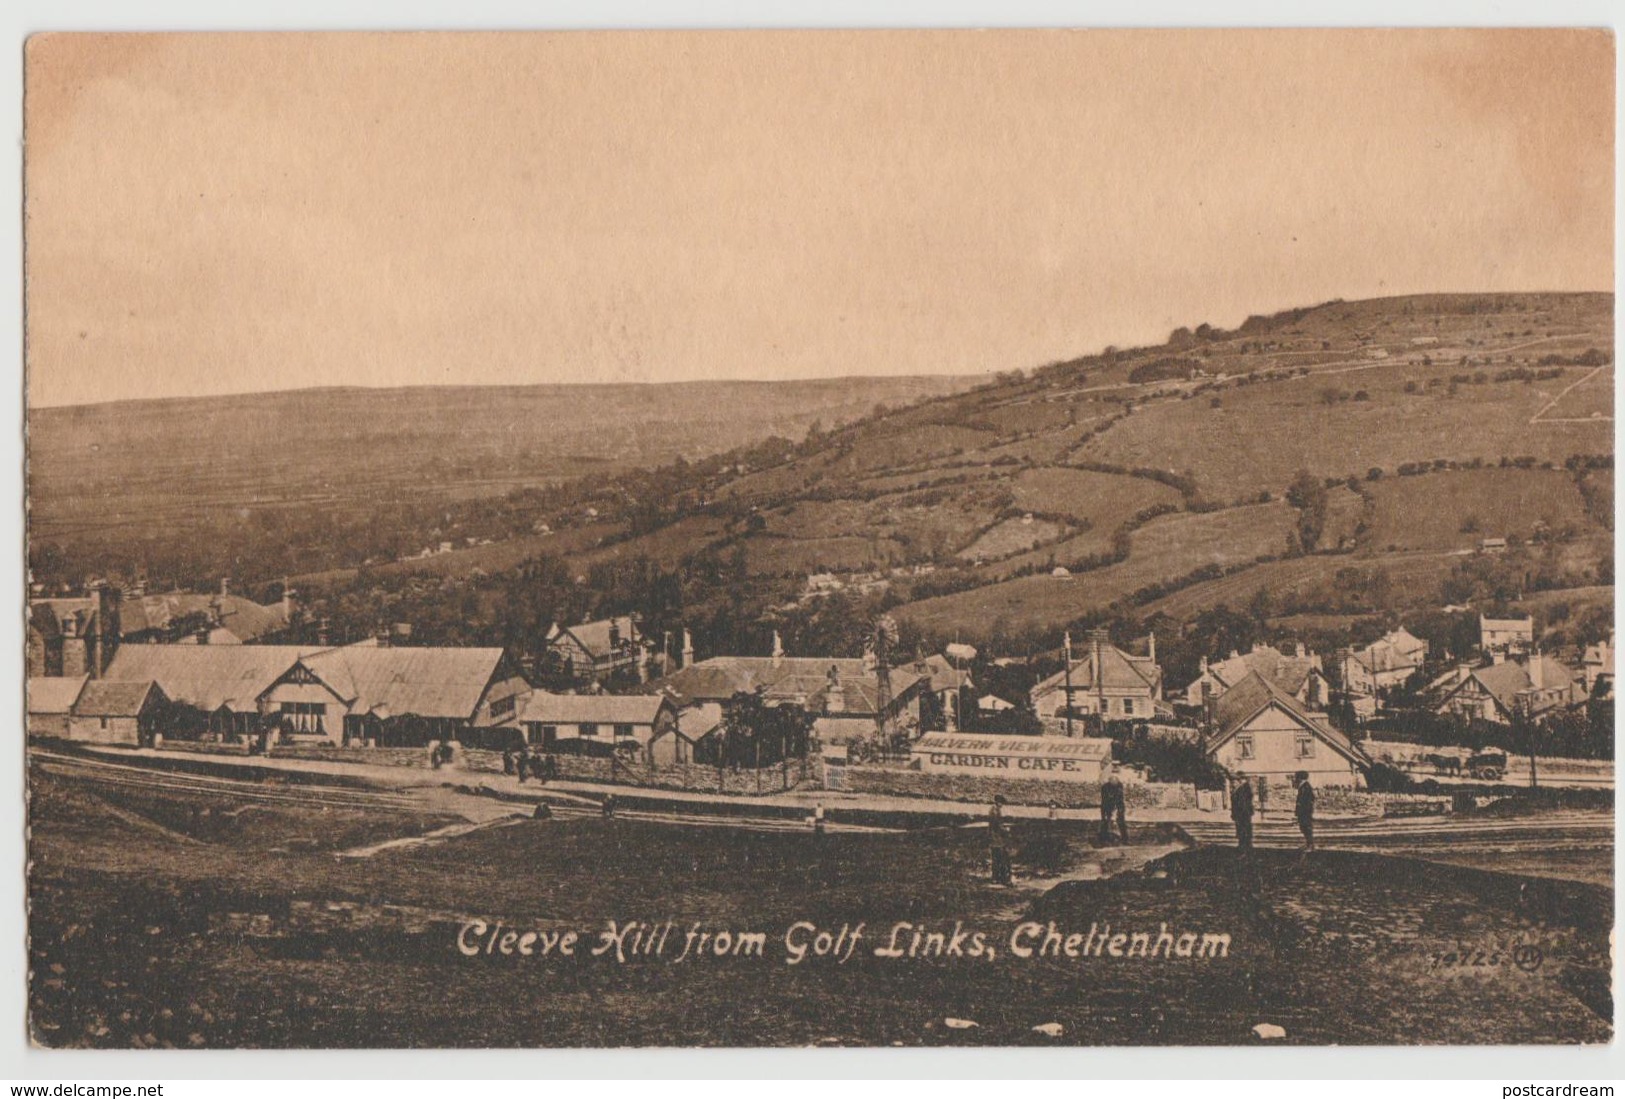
1128 705
622 732
104 722
1306 747
501 707
305 717
1244 745
549 734
588 729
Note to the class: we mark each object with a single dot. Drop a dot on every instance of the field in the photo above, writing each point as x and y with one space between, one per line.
223 939
1164 549
1443 511
1264 434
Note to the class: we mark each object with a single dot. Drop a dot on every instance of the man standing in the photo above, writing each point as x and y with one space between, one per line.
998 841
1113 803
1305 810
1241 811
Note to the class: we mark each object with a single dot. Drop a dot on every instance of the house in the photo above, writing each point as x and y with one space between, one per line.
1386 663
50 702
993 704
1492 545
1597 669
117 712
1298 673
1261 731
1536 684
844 693
682 741
1506 635
75 636
1105 680
592 724
362 694
948 686
595 652
79 635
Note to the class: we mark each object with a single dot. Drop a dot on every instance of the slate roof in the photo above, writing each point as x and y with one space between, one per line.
1254 694
854 691
207 676
1394 650
555 709
1118 671
241 617
104 698
594 636
54 694
1287 672
426 681
1506 680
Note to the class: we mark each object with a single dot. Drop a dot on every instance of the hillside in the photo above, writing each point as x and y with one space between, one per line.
104 476
1134 482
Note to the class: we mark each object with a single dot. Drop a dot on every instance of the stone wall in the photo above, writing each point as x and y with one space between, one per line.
900 782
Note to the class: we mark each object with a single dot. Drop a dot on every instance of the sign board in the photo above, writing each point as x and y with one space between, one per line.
1069 759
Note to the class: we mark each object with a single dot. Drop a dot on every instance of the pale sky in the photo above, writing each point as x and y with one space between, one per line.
213 214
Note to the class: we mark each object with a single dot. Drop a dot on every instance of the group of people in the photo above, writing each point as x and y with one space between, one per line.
525 763
1242 810
1114 818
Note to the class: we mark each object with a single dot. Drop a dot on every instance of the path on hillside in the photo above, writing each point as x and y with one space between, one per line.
1539 417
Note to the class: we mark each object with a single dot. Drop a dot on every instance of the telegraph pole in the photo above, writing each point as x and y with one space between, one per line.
1066 663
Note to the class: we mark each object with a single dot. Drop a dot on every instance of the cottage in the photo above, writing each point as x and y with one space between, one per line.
1299 674
1261 731
1105 680
948 685
1597 669
108 712
832 688
596 652
1506 635
1386 663
595 723
1536 685
682 741
50 702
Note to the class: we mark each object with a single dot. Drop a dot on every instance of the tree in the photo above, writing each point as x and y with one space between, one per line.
1307 493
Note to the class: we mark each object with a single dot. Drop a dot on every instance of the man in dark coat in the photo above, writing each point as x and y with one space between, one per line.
1305 809
998 842
1113 804
1241 811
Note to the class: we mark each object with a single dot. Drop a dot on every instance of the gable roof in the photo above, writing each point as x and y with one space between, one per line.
854 689
1395 650
429 681
241 617
104 698
1506 680
1506 625
1118 671
556 709
207 676
1287 672
1238 706
594 636
944 676
54 694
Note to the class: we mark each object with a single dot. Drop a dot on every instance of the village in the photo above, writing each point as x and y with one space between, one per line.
218 673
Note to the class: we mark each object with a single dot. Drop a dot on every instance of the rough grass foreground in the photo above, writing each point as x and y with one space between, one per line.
144 937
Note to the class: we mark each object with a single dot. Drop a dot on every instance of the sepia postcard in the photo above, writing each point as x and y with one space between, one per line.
820 538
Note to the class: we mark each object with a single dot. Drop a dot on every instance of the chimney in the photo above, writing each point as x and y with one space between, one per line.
321 632
1498 656
1297 647
225 585
203 635
1151 646
688 649
1209 708
1537 670
778 650
614 634
287 600
382 638
1097 648
1463 672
